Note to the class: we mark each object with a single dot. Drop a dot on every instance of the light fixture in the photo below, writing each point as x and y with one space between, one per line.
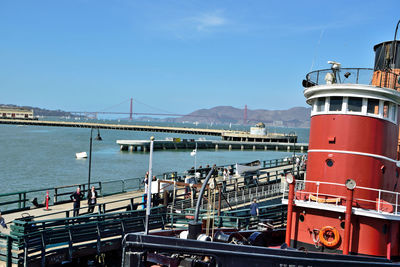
98 137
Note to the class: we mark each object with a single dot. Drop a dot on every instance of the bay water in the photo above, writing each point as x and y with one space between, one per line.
33 157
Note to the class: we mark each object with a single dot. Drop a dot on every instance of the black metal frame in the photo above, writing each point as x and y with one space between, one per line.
137 248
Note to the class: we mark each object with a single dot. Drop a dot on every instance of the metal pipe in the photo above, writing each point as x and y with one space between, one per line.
149 181
389 241
203 187
347 224
394 48
289 213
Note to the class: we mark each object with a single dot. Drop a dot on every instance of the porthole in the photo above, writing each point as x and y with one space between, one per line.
301 217
342 225
329 162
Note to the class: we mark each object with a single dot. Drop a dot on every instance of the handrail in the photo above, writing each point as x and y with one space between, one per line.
386 201
353 76
21 198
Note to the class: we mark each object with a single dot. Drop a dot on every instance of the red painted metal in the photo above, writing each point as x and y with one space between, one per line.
389 242
366 234
330 134
353 134
349 208
47 200
289 213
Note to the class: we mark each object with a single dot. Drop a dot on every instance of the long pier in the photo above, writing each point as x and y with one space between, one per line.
125 127
144 145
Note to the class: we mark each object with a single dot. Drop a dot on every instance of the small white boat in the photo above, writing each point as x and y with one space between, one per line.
81 155
240 169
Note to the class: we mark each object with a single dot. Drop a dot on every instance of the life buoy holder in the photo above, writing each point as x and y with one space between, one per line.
326 234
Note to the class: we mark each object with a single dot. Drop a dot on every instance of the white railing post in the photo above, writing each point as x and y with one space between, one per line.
397 198
379 201
283 191
317 191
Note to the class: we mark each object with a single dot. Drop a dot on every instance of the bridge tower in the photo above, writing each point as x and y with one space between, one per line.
130 110
245 115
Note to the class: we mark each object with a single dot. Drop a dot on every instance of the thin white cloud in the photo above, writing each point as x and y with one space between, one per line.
208 21
198 25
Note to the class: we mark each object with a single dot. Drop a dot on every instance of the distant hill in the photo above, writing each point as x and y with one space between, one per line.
294 117
43 112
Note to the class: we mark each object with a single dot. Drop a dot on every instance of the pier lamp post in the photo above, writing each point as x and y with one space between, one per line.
149 181
98 138
293 136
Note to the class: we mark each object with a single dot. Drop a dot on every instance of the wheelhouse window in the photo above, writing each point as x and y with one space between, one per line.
354 104
335 103
373 106
392 111
386 109
320 104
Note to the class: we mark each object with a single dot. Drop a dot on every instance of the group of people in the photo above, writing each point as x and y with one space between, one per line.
226 176
78 196
146 180
301 163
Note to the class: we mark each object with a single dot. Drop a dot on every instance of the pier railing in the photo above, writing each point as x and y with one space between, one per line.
10 202
39 238
239 219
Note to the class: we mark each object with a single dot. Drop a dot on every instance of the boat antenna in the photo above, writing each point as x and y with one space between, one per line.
395 46
316 49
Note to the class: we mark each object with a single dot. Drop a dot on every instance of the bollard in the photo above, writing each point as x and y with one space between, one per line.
47 200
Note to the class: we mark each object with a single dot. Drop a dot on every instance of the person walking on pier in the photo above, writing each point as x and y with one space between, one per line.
254 211
2 221
224 179
76 197
92 199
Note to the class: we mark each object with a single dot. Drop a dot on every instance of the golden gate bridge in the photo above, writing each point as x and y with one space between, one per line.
94 114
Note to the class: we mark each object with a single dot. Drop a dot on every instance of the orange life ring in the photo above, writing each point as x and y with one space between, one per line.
326 234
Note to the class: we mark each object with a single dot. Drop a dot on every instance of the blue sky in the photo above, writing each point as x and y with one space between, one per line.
179 56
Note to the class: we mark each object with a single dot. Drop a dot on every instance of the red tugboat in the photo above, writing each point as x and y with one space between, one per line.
349 202
347 210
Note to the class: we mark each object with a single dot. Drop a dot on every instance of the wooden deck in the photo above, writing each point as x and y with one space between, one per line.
113 202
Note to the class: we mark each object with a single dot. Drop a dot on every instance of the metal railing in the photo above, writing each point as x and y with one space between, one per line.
14 201
381 201
33 241
385 79
238 219
10 202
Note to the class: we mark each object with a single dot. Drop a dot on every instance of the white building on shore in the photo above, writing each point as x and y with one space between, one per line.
7 112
